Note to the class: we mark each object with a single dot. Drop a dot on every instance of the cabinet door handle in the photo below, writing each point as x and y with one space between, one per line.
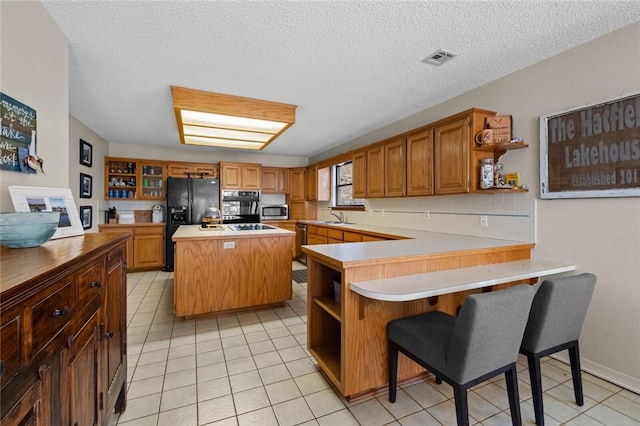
108 334
64 312
95 284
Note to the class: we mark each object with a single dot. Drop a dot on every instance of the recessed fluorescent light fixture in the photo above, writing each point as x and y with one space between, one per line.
215 119
439 57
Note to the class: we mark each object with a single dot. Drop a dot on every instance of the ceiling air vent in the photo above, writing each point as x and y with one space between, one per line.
439 57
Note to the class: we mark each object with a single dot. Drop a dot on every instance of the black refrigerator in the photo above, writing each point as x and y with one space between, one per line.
187 201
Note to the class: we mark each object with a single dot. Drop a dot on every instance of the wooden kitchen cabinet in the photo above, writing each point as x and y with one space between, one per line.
151 180
145 247
133 179
359 174
297 184
183 169
240 176
385 169
395 162
455 160
275 180
121 178
375 171
52 311
318 180
420 163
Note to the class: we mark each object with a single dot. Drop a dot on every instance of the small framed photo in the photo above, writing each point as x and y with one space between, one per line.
36 199
86 153
86 213
86 183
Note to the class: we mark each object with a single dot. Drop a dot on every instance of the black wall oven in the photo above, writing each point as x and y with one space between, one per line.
240 206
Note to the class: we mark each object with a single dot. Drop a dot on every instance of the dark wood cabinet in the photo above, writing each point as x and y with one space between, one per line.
62 331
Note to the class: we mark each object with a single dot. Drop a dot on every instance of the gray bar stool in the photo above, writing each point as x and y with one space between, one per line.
478 344
557 314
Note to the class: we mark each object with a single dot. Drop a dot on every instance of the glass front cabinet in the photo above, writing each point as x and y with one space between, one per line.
126 178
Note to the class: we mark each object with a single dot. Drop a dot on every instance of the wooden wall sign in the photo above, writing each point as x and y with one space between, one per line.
18 128
592 151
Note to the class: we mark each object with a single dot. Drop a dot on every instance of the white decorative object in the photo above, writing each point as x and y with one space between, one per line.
37 199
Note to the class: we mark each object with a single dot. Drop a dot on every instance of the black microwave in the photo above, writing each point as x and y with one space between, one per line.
274 211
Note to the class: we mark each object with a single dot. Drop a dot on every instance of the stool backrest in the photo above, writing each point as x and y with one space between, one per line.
558 311
488 332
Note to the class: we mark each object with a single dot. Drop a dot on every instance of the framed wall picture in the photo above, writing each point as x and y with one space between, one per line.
36 199
86 213
86 153
86 183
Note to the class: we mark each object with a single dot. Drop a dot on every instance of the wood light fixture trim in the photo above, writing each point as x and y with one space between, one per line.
278 116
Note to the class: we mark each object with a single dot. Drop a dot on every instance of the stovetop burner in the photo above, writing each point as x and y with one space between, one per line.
250 227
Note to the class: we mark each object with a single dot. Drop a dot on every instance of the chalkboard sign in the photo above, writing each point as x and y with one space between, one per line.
18 127
592 151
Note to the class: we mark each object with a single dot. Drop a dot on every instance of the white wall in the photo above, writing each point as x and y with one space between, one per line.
598 235
34 69
78 131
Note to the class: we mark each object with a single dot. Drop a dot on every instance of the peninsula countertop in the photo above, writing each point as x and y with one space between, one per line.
414 243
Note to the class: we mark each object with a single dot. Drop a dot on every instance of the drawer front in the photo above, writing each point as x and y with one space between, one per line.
10 344
50 315
149 230
352 237
318 230
334 234
89 283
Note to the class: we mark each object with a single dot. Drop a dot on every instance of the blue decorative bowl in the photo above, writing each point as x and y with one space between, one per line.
21 230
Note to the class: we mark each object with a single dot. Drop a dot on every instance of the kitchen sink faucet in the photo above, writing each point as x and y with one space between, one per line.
341 217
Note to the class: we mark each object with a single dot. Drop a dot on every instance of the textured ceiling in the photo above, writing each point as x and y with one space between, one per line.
350 66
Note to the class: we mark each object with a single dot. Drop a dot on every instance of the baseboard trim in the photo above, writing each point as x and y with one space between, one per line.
605 373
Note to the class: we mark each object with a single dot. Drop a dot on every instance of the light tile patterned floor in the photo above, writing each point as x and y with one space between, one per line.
252 368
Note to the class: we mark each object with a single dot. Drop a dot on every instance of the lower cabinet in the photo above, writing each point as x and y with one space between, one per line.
335 235
145 247
62 332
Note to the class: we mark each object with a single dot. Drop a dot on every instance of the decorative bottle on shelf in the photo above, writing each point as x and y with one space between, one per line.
486 173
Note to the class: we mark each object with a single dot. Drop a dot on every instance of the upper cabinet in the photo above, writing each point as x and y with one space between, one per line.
359 174
318 180
420 163
182 169
275 180
240 176
152 180
384 170
375 171
129 178
456 161
395 162
297 183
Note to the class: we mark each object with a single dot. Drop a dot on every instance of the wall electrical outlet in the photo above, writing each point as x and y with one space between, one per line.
229 244
484 221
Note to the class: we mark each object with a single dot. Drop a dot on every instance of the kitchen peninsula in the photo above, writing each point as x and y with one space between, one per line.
386 280
230 267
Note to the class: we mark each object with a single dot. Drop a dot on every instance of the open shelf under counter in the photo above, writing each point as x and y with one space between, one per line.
328 357
329 304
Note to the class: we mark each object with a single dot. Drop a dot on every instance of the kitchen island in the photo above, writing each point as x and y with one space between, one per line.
230 267
386 280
